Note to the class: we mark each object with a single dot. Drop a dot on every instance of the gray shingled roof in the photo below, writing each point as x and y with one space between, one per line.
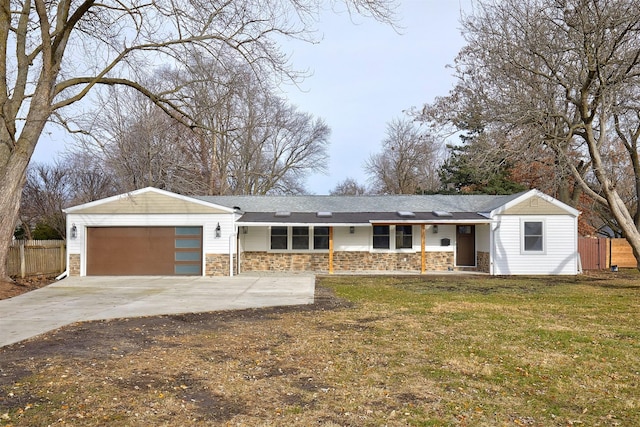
358 218
417 203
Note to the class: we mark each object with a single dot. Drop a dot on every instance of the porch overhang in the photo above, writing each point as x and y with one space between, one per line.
435 222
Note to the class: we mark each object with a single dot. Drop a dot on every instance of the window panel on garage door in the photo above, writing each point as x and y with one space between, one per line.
188 250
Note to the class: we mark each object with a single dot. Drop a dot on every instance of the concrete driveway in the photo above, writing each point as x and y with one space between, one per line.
77 299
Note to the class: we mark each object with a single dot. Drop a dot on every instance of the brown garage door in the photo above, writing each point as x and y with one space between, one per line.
139 251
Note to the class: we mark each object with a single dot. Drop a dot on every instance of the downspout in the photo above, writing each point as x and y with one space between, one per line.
232 238
492 246
65 273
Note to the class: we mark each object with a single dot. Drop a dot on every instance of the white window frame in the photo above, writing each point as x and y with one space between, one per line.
390 236
523 236
396 237
290 249
312 235
392 240
270 236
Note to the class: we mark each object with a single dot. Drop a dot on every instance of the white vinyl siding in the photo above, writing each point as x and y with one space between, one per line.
560 246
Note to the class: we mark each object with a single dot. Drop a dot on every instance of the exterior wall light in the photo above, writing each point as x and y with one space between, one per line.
435 229
218 231
74 231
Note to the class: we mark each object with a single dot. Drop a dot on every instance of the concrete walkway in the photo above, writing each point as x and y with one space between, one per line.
77 299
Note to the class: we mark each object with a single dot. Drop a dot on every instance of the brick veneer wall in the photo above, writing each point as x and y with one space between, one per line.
483 262
344 261
217 265
266 261
74 264
439 261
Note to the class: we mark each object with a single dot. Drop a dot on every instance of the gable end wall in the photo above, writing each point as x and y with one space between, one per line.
534 206
560 254
150 203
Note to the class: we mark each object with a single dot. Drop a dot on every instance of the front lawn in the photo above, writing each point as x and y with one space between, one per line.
396 351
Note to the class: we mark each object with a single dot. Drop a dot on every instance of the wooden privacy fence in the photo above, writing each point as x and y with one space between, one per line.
621 254
36 257
594 253
599 253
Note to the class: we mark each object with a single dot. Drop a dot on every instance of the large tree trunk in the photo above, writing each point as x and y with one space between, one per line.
14 159
12 177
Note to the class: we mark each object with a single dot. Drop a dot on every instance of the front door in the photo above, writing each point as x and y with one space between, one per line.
466 245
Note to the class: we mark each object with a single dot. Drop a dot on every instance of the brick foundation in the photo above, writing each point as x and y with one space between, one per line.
439 261
344 261
217 265
74 265
265 261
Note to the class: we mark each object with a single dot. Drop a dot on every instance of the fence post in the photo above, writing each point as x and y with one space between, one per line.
23 263
62 256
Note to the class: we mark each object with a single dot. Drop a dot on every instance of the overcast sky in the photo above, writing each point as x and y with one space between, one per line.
364 75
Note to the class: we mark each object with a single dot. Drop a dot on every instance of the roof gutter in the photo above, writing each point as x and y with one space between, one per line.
364 224
434 221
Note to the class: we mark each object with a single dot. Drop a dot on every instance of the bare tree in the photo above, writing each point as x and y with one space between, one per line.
278 150
51 187
566 75
349 187
408 162
54 54
254 141
136 143
250 141
89 180
46 192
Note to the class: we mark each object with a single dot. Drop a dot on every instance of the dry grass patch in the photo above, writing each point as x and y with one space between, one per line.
417 351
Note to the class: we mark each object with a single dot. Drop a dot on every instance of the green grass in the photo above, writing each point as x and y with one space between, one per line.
541 350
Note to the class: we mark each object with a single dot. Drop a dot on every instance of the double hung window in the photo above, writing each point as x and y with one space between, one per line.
404 237
300 237
533 236
320 238
381 236
279 238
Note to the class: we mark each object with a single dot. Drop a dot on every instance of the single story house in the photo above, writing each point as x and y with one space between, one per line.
156 232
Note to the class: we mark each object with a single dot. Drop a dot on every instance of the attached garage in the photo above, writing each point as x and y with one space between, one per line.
133 251
150 232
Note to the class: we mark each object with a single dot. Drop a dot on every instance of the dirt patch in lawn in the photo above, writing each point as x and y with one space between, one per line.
86 373
20 286
103 339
